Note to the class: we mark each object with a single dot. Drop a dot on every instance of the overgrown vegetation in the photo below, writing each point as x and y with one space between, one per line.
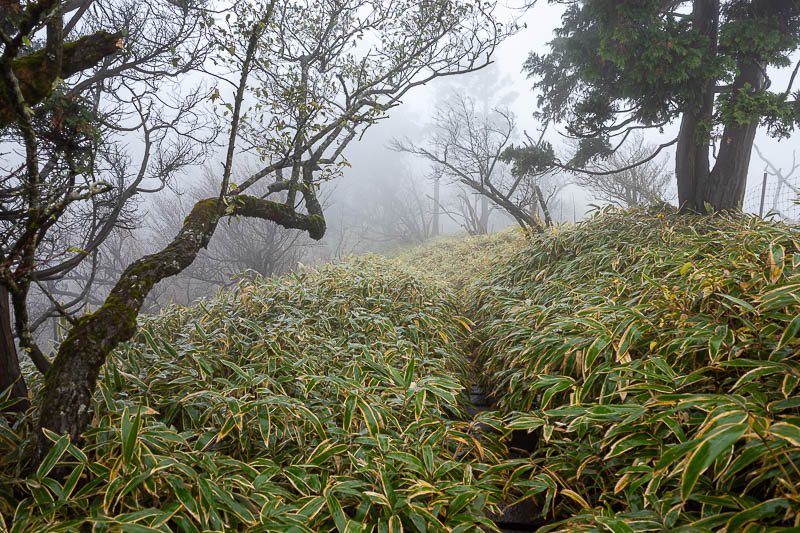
325 401
652 357
460 261
656 357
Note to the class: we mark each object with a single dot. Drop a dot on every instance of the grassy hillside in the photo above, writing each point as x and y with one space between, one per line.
656 358
653 359
460 261
330 400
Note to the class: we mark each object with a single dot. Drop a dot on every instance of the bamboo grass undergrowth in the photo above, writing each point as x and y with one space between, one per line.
652 356
329 400
656 358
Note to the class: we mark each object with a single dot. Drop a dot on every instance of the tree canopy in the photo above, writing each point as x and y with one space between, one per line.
618 66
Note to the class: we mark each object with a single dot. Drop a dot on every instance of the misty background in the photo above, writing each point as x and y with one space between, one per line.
384 198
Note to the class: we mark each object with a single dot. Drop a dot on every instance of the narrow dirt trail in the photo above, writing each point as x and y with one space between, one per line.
525 516
459 263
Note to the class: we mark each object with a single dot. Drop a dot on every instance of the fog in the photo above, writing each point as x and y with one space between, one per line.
383 199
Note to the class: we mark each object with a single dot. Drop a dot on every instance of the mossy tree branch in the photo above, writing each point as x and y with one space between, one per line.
36 76
71 380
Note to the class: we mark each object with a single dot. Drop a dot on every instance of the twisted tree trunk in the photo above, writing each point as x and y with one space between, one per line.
71 381
723 186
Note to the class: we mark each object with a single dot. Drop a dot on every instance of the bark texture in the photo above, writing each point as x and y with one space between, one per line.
692 157
37 77
10 374
66 398
727 181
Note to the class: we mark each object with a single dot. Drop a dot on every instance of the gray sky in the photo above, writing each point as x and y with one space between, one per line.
540 21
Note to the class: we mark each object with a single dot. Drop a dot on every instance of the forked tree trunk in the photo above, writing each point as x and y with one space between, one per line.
692 157
723 186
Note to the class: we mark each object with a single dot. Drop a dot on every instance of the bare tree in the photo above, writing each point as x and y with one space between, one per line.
83 132
467 147
471 212
303 88
398 211
633 185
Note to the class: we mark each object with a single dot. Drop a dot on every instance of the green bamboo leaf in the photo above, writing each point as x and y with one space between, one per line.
408 375
395 524
138 528
324 451
528 422
71 482
148 337
335 508
738 301
597 346
184 496
757 512
408 461
629 442
715 342
427 457
313 420
237 369
615 525
264 423
786 431
561 385
53 456
226 428
370 417
752 453
790 332
388 489
706 452
349 409
130 432
790 382
311 508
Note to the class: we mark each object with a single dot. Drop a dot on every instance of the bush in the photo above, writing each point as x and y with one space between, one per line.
325 401
656 357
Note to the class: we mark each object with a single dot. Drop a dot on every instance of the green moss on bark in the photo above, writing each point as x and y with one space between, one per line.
37 81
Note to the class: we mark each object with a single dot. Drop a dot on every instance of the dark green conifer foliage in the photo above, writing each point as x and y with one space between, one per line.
617 65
